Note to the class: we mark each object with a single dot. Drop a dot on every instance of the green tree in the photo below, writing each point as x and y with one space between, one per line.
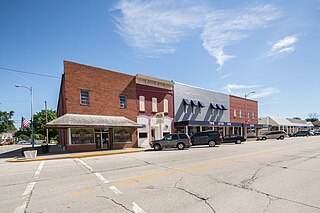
40 124
6 122
313 117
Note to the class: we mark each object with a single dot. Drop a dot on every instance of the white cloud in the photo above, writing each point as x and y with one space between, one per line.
241 90
224 76
155 27
285 45
223 29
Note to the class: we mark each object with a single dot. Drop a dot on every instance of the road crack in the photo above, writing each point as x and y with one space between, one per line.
117 203
205 200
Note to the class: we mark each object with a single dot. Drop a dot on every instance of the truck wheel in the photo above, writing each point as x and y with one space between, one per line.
181 146
212 143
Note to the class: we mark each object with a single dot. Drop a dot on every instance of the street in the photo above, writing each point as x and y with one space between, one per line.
255 176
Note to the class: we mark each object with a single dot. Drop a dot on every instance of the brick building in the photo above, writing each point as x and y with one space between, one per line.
244 112
154 96
97 109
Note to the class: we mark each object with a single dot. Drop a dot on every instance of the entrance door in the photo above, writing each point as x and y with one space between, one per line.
97 137
105 140
153 134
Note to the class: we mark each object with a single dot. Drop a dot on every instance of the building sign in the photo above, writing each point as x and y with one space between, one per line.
81 136
122 135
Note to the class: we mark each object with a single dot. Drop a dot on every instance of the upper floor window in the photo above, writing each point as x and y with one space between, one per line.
165 106
154 105
248 114
123 102
252 115
235 113
84 97
240 114
142 106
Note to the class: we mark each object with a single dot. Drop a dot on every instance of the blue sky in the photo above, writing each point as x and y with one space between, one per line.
271 47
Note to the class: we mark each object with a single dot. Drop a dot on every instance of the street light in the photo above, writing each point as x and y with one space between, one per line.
32 130
246 110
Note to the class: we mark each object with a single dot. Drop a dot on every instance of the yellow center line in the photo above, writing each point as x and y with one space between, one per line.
199 166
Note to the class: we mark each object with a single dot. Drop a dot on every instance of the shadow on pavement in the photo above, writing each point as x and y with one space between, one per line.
11 153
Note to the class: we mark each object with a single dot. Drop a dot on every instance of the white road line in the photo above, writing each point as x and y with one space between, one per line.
137 208
115 190
36 174
86 165
29 189
101 177
27 192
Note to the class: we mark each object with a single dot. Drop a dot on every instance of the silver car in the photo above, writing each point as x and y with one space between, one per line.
273 135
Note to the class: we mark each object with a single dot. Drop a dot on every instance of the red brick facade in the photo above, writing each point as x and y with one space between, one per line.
150 92
104 88
240 105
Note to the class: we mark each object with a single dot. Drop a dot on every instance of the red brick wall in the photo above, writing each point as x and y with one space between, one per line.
239 104
104 87
150 92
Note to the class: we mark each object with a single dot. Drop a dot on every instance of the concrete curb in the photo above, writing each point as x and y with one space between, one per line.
80 155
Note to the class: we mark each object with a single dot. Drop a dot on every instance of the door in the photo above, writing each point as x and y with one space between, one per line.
97 137
153 134
105 140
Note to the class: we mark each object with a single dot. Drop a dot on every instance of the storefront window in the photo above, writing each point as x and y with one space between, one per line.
82 136
122 135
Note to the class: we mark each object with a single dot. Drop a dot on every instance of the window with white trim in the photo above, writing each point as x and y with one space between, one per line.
165 106
123 101
154 104
193 109
142 106
84 97
235 113
240 115
249 115
252 115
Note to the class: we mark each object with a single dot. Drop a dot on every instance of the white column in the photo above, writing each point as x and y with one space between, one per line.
233 130
200 128
186 130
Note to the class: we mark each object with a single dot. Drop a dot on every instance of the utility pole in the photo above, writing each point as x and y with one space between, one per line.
47 130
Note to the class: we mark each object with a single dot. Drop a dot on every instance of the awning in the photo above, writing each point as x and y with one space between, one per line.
194 103
186 101
213 106
201 104
77 120
223 107
218 107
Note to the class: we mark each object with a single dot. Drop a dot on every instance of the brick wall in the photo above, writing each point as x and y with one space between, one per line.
104 87
238 103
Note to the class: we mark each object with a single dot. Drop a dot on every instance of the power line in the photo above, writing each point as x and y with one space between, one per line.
31 73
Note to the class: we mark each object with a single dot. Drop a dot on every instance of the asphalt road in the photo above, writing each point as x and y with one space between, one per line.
264 176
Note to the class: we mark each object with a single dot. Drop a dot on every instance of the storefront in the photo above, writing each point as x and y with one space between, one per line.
91 132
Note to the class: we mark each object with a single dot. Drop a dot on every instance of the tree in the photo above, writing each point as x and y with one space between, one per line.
40 124
313 116
6 122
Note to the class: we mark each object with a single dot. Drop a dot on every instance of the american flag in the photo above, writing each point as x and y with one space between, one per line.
24 123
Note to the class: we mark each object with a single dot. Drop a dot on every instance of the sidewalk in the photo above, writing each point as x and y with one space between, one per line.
77 155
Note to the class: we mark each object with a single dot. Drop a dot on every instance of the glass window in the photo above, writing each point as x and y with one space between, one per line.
248 114
123 102
122 135
235 113
183 136
143 135
240 115
252 115
165 106
185 108
84 97
81 136
193 109
154 105
142 106
174 137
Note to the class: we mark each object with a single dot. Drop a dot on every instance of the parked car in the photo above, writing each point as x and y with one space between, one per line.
6 143
234 138
316 132
302 133
22 142
179 141
211 138
273 135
